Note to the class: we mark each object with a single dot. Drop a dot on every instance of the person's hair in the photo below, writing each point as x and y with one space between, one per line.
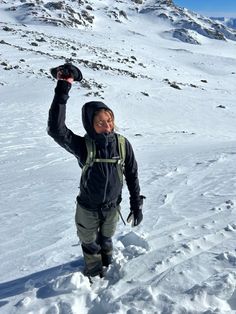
105 110
108 111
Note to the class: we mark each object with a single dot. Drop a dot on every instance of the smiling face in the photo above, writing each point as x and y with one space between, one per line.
103 121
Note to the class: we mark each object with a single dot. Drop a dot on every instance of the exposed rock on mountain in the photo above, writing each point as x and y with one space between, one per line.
185 25
184 21
61 13
229 22
184 35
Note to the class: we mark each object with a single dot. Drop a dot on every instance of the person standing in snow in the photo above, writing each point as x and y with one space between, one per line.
98 202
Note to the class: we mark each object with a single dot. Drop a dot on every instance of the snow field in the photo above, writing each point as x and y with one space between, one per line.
182 258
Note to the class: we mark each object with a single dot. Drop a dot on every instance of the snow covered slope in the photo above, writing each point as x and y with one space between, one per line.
228 21
175 102
184 24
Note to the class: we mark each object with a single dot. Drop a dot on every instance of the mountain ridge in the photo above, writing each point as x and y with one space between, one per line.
185 25
227 21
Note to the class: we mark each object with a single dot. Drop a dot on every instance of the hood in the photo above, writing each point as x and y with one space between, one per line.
88 111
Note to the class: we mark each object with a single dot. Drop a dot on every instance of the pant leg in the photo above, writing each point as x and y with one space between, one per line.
105 236
87 223
106 249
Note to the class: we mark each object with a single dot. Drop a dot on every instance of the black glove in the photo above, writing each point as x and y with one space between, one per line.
67 70
136 215
63 87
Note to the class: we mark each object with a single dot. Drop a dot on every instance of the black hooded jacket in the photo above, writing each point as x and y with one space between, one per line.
103 186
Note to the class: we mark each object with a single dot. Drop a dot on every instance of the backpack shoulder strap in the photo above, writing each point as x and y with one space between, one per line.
91 152
122 154
121 147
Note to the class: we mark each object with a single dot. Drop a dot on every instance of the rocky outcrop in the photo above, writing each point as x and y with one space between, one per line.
60 13
185 23
183 35
228 22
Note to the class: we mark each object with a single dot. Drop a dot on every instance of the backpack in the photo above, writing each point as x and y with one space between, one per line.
91 152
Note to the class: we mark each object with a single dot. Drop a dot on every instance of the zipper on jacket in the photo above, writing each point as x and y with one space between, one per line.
106 167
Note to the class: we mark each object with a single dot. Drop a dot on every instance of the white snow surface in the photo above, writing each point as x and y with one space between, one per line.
182 258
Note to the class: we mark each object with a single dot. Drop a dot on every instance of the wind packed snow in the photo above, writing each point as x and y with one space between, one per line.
175 102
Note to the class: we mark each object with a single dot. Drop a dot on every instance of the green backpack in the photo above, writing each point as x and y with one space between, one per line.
91 153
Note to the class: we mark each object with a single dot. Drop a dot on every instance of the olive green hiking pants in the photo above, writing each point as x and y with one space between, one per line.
95 230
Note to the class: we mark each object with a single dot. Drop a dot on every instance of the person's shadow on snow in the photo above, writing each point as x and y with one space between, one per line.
43 280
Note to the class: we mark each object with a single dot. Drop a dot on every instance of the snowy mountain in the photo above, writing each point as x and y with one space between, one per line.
175 102
185 25
229 22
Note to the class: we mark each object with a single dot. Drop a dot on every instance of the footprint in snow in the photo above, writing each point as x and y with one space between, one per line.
64 285
229 204
220 287
134 245
230 227
133 238
227 256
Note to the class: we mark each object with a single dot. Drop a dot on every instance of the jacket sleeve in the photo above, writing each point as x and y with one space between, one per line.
57 128
131 175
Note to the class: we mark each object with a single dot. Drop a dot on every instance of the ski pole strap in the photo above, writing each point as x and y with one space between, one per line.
121 216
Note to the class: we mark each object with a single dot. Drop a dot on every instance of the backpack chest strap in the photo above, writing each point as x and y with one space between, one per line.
111 161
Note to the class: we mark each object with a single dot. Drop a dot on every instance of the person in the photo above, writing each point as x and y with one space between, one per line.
98 202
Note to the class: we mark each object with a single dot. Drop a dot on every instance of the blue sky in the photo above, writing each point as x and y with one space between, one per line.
210 7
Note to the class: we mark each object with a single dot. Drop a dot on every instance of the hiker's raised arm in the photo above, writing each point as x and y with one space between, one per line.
57 128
